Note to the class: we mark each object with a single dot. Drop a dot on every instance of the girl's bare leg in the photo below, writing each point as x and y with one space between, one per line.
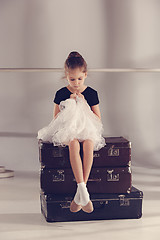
82 196
75 160
87 158
76 164
87 164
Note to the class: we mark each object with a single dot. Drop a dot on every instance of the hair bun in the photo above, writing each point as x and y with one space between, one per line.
75 60
74 54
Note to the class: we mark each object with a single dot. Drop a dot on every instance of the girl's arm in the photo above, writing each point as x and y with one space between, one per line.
96 110
56 110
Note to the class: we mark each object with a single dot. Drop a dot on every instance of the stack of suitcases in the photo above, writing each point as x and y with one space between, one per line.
109 183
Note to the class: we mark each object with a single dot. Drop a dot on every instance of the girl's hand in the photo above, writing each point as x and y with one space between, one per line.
73 95
80 95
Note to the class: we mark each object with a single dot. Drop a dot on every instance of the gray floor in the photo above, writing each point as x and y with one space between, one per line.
20 216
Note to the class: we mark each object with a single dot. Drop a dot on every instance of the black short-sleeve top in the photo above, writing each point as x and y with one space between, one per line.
89 93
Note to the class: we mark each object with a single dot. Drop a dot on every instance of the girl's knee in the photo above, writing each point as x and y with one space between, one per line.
74 144
88 145
88 142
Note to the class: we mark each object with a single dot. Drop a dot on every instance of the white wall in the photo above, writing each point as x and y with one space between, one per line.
108 33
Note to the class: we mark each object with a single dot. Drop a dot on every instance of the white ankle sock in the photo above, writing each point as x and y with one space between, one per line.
77 198
83 193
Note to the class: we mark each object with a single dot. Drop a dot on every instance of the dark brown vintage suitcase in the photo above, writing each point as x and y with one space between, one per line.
101 180
55 208
117 152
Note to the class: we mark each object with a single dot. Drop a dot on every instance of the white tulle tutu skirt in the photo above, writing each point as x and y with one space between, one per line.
74 121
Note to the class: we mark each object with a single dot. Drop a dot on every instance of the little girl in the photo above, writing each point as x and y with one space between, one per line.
77 119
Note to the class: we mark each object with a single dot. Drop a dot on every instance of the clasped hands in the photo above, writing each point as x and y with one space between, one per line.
75 94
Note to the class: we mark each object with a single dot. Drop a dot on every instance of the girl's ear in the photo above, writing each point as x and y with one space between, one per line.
86 74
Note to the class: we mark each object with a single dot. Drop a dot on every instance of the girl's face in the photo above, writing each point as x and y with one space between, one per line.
76 78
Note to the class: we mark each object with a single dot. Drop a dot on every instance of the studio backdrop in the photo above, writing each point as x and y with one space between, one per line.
109 34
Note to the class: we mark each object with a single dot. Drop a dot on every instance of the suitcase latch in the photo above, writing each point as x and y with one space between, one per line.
59 176
123 201
96 155
113 152
111 177
65 204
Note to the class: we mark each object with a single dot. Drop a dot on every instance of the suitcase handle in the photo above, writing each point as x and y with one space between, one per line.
94 180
